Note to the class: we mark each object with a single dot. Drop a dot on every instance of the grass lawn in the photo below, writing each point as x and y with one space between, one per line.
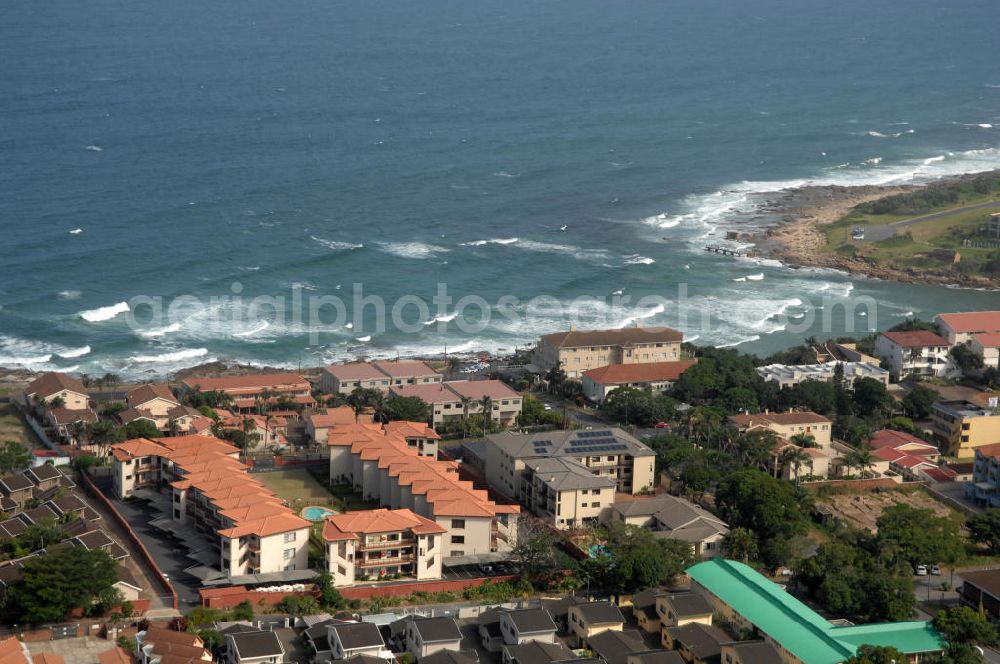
12 427
298 487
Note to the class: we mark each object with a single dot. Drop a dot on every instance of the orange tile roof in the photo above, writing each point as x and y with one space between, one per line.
115 656
352 524
404 368
280 382
48 658
11 652
267 525
639 373
989 450
332 417
48 384
146 393
781 419
355 371
915 339
972 321
477 389
988 340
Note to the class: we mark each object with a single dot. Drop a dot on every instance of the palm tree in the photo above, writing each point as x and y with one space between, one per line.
465 414
487 405
796 457
803 440
454 364
111 379
173 428
78 430
741 544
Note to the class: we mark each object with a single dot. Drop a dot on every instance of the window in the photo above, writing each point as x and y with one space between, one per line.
458 553
289 554
458 523
595 504
458 539
340 570
430 562
290 537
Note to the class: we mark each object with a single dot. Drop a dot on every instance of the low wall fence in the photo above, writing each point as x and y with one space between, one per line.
146 556
35 426
401 589
227 598
859 484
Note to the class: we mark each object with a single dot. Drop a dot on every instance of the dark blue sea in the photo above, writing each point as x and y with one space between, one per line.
165 166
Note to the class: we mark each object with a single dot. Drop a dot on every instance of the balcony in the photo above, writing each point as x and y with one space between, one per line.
379 562
388 544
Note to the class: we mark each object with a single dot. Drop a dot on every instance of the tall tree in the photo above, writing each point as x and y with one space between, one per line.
921 535
13 457
61 580
984 528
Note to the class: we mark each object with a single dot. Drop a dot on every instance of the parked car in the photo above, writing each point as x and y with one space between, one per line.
936 570
921 570
661 425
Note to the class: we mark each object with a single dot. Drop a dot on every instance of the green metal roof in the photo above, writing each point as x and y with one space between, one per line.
795 626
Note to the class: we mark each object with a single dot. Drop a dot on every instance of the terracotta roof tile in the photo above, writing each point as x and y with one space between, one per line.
916 339
639 373
972 321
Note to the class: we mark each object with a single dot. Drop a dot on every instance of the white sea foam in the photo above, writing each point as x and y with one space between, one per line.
154 332
505 174
104 313
74 352
755 277
739 342
415 250
172 356
642 314
365 339
263 325
444 318
93 148
336 246
740 279
664 220
564 249
70 294
76 231
876 134
933 160
481 243
636 259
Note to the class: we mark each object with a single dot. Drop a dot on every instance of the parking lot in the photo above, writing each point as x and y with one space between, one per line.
478 571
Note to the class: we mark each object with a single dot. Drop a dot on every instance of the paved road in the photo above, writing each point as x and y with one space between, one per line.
876 233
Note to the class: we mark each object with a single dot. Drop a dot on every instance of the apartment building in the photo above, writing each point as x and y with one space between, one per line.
247 391
396 464
565 493
959 427
319 422
607 453
655 376
918 352
985 485
452 401
379 544
52 386
377 375
960 328
790 375
987 345
245 523
578 351
445 404
788 424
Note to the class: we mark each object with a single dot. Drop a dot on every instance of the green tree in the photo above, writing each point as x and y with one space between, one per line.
955 653
141 429
921 536
877 655
961 624
741 544
967 360
871 398
984 528
40 535
639 560
535 550
13 457
411 409
738 400
61 580
919 403
242 611
299 605
329 596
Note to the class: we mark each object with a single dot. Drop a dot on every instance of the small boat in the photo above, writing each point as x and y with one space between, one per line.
756 277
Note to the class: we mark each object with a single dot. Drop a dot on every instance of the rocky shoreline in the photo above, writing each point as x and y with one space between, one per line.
797 238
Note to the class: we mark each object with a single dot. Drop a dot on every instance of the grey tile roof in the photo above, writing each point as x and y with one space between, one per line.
680 518
436 629
537 652
659 657
689 605
600 613
567 474
614 647
702 640
250 645
531 620
756 652
358 635
451 657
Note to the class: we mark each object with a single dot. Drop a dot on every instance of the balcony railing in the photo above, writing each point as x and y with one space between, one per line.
379 562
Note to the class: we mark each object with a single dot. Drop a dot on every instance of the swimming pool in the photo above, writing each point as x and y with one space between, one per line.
317 513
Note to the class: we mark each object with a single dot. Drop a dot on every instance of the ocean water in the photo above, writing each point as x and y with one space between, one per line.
162 155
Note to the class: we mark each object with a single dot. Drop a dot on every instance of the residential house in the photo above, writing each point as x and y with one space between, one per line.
696 643
396 464
349 640
671 517
559 610
376 544
17 488
505 403
961 328
536 652
644 610
751 603
788 425
790 375
65 421
589 620
814 463
407 372
614 647
751 652
984 488
959 427
654 657
252 530
51 386
513 627
157 645
154 399
655 376
577 351
116 655
609 453
452 657
565 493
422 637
917 352
988 346
902 453
254 647
677 609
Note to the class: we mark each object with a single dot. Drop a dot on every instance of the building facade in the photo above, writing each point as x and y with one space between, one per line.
959 427
789 375
577 351
655 376
919 352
